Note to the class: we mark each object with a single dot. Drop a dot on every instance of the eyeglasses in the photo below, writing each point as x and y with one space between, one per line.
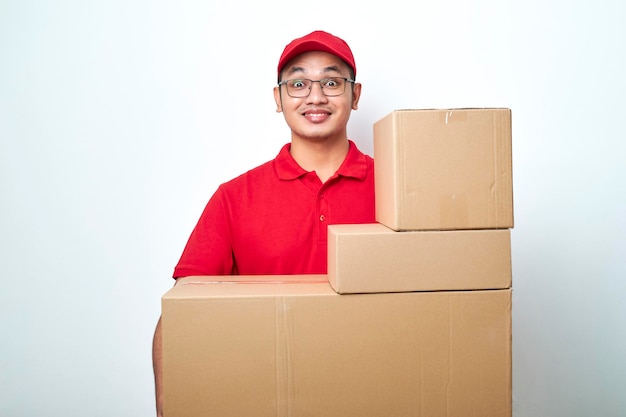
301 87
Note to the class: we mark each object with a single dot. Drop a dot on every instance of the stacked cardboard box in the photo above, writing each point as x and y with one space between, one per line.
297 349
411 321
444 169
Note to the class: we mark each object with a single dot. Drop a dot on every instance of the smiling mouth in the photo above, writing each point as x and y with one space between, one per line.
316 116
316 113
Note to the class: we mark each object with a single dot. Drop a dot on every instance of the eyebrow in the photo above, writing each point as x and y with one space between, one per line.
332 68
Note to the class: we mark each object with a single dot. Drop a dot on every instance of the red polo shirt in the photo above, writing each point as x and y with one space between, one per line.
273 219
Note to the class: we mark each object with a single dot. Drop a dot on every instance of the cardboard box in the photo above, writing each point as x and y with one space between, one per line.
371 258
444 169
301 349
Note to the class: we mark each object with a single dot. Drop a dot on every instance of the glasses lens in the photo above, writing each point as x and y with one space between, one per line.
333 86
299 87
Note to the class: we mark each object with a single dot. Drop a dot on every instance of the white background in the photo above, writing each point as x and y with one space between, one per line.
119 119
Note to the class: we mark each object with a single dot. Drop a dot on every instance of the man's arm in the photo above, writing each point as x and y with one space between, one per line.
157 356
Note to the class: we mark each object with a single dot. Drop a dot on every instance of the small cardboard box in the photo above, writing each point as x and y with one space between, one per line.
299 349
371 258
444 169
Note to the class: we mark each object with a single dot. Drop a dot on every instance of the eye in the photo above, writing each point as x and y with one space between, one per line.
297 84
331 83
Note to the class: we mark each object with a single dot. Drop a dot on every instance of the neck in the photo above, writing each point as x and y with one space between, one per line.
324 157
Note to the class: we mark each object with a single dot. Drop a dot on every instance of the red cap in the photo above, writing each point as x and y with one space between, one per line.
317 41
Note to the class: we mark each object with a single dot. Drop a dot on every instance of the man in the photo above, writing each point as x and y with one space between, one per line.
273 219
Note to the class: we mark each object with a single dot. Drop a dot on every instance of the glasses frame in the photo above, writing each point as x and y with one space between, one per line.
347 80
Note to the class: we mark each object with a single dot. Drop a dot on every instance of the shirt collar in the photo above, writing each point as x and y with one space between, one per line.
355 164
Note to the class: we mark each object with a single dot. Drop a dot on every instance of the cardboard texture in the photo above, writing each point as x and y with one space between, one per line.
299 349
444 169
371 258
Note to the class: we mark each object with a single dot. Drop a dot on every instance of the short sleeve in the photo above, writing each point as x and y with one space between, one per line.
209 248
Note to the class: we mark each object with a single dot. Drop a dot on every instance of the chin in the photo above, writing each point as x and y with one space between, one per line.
318 133
317 137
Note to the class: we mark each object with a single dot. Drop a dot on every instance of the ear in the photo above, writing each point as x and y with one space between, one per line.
278 100
356 95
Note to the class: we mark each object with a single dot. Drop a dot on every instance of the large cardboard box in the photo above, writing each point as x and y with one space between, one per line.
444 169
299 349
371 258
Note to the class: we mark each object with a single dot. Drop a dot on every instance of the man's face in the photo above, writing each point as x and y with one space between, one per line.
317 117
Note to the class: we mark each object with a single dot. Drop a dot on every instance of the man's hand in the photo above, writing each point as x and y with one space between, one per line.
157 356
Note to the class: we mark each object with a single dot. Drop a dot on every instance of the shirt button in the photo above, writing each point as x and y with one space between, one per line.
322 218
